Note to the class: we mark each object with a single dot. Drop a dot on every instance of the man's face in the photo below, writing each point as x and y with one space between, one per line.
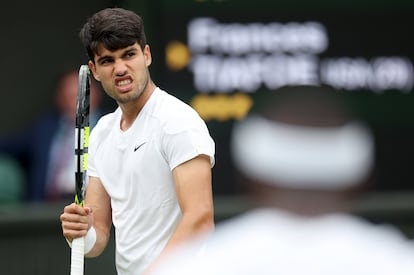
123 73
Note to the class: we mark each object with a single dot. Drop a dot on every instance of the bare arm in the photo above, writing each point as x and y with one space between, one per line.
77 220
99 201
194 192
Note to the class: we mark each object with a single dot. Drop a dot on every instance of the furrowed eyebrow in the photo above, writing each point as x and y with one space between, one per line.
110 57
103 58
132 50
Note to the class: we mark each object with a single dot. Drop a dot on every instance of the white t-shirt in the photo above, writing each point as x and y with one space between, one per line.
135 168
269 242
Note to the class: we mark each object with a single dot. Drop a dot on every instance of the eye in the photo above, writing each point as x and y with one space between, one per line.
130 54
105 61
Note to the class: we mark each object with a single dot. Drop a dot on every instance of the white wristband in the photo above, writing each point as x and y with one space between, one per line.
90 240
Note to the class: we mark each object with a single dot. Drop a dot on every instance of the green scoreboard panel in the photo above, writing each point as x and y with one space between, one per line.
221 56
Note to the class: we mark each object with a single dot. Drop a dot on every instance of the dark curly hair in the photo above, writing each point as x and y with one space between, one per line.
113 28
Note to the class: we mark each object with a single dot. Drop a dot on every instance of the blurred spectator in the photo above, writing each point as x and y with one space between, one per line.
303 160
46 148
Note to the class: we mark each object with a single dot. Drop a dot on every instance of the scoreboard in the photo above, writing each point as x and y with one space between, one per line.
221 56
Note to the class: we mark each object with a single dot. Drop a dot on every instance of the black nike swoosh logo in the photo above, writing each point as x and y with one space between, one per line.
139 146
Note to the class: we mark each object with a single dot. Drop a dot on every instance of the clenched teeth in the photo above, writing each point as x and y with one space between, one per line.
124 82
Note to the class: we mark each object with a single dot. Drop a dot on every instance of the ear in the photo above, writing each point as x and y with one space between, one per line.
147 55
93 70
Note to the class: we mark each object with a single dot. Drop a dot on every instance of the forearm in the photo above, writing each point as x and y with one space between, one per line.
190 226
98 200
102 237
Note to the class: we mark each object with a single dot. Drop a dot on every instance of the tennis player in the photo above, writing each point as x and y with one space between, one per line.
149 161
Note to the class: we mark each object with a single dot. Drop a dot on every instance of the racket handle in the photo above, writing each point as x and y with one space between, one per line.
77 257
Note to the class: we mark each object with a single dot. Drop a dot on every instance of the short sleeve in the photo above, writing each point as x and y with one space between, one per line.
187 143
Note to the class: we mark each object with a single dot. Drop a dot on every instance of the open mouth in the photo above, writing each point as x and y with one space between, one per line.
123 82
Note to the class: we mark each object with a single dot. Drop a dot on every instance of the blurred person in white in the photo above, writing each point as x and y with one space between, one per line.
304 160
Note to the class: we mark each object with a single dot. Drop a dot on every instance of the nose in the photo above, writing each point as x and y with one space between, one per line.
120 68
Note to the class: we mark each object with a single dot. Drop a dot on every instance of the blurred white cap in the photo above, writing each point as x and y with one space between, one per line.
305 157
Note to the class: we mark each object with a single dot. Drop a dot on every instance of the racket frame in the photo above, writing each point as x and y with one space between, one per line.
81 160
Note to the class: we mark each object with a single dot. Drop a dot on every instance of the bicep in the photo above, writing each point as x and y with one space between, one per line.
193 184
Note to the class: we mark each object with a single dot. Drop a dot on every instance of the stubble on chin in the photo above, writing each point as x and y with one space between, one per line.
128 97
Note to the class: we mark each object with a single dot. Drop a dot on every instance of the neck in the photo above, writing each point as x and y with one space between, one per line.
131 110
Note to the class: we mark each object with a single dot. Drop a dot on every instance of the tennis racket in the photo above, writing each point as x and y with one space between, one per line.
81 160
